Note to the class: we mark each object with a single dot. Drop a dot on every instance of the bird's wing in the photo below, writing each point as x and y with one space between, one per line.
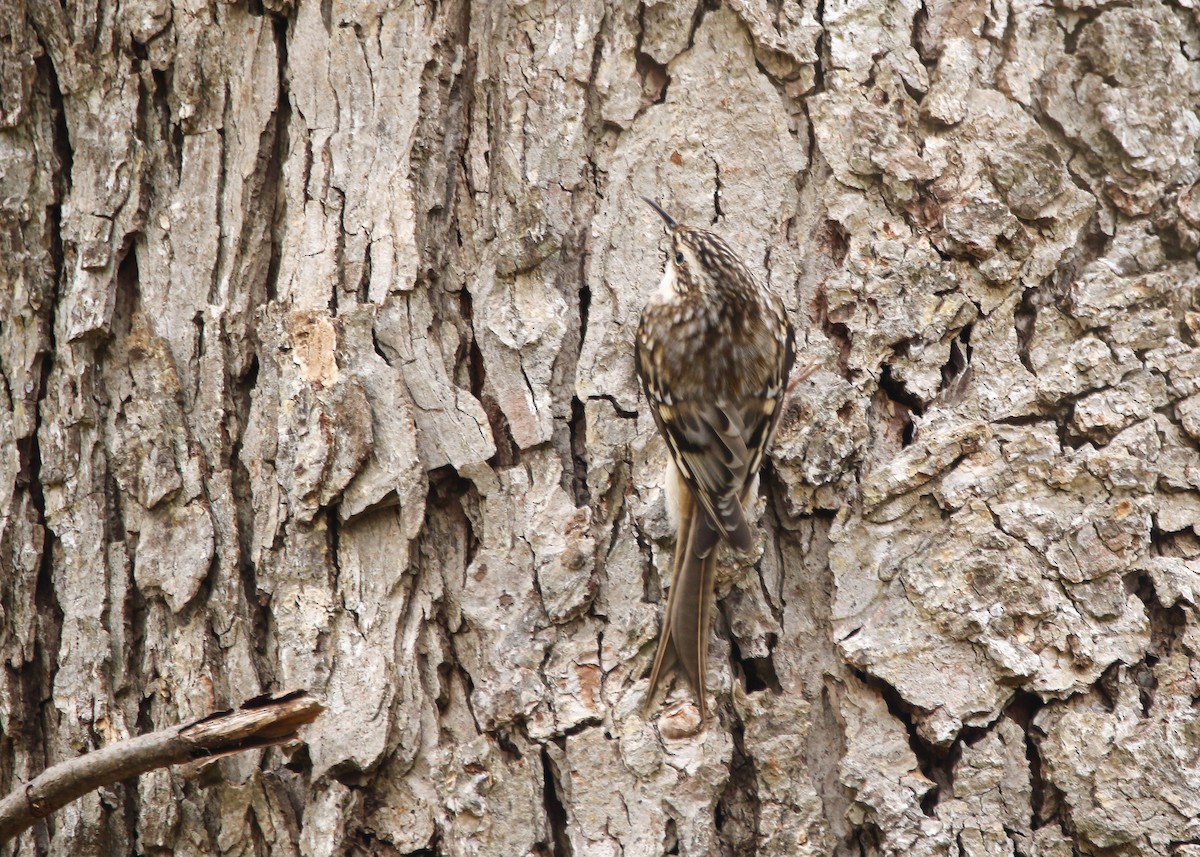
761 413
760 417
718 445
707 441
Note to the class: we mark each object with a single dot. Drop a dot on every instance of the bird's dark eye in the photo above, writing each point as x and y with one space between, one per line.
678 257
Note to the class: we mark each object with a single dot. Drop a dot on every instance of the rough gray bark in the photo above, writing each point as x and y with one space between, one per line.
315 336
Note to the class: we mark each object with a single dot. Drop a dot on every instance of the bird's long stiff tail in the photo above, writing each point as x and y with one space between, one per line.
686 621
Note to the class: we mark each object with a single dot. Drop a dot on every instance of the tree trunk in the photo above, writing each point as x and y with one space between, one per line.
316 329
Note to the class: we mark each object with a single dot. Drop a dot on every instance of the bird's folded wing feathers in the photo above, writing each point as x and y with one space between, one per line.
707 441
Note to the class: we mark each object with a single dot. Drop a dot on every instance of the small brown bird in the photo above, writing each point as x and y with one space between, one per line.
714 350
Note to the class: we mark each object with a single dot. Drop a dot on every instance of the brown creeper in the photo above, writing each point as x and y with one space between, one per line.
714 350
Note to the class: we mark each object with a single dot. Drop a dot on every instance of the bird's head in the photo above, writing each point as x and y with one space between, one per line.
700 260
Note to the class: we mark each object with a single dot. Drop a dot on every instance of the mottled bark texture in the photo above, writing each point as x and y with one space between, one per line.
315 340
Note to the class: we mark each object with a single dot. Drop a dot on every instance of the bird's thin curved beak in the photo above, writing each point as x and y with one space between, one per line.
670 220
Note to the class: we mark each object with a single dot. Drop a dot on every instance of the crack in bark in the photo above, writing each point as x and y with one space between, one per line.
31 720
717 213
936 763
956 371
276 155
908 403
555 806
508 452
738 812
1022 710
758 674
